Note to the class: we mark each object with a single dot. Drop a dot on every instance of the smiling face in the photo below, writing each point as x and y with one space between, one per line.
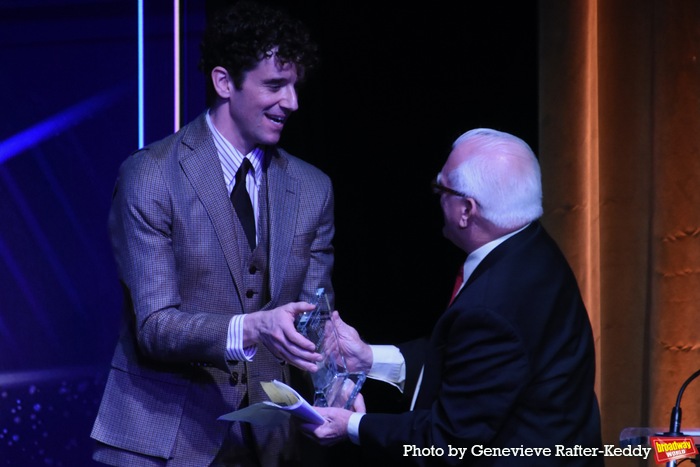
255 114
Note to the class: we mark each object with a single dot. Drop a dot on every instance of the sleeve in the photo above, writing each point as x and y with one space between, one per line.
141 230
321 251
483 371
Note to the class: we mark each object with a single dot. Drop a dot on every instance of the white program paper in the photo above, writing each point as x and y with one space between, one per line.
284 402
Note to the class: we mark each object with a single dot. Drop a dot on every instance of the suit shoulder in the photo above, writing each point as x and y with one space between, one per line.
193 135
149 155
160 149
169 148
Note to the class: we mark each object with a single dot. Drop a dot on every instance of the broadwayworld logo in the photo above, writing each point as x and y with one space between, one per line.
668 449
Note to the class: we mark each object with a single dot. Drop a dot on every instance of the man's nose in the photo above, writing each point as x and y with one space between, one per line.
289 99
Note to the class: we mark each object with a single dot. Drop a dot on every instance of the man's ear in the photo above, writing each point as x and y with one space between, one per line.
472 206
468 210
223 84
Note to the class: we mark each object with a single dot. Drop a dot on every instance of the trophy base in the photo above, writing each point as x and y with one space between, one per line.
340 391
334 385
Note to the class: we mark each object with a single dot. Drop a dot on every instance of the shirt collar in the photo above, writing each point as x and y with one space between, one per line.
231 158
476 256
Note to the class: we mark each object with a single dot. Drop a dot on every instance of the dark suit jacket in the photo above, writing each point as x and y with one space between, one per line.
510 363
172 230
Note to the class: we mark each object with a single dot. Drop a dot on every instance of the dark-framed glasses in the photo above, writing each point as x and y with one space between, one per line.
439 188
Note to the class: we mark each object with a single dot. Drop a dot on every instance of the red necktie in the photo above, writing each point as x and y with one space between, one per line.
458 284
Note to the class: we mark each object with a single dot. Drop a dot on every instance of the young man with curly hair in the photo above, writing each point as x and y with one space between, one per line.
211 286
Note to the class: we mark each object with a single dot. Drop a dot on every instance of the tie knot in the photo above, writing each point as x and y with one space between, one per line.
243 170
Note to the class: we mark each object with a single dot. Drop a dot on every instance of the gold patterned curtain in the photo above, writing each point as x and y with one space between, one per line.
620 153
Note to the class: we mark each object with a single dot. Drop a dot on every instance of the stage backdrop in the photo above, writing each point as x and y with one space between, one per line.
397 84
620 151
69 88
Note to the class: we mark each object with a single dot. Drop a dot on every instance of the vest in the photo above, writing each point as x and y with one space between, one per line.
255 295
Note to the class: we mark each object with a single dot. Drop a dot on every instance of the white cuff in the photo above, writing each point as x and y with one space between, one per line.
354 427
388 365
234 341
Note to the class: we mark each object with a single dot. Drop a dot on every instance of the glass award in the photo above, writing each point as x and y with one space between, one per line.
334 385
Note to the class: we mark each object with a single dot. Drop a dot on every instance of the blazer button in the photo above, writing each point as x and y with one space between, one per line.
234 378
249 294
253 270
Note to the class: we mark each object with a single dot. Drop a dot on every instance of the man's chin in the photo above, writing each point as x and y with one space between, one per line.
271 140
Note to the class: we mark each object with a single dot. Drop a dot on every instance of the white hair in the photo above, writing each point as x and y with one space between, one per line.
503 175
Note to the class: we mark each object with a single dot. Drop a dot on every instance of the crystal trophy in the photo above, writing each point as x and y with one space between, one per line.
334 385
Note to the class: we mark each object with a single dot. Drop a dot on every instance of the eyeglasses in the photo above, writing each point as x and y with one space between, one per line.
439 188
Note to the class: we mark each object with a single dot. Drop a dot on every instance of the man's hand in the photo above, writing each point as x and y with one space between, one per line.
358 354
335 429
275 330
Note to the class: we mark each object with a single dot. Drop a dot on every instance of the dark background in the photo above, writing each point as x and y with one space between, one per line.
396 86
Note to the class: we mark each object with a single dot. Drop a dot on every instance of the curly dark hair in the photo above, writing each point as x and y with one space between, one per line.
245 33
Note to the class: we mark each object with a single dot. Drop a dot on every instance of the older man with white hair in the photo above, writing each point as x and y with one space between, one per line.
507 375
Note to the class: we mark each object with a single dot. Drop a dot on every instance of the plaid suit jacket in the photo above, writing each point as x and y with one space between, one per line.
172 230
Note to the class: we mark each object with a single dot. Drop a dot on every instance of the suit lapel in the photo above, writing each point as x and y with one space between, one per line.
200 163
283 205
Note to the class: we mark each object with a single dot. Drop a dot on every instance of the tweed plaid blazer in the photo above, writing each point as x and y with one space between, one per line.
172 231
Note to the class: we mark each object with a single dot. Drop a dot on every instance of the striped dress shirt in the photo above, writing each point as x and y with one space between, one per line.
231 159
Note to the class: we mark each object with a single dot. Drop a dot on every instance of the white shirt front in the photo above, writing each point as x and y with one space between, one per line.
231 159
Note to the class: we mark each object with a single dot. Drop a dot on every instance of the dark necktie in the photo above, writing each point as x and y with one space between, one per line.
241 203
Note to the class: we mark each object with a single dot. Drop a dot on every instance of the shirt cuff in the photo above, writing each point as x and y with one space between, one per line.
354 427
388 365
234 342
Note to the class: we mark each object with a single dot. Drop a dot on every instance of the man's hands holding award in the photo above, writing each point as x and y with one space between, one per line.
337 379
341 373
336 384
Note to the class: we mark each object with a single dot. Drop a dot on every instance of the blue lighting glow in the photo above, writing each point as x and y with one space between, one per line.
53 126
140 71
42 239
